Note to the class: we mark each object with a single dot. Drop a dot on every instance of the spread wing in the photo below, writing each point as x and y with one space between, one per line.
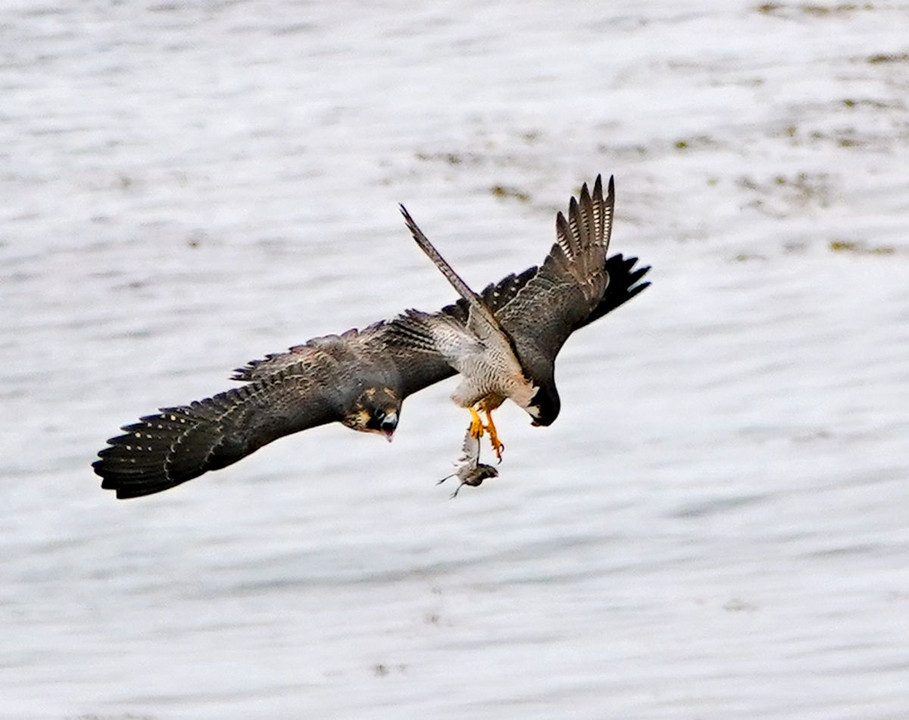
624 283
310 385
180 443
567 289
426 340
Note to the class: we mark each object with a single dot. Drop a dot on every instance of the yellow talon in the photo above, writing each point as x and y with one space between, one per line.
476 425
497 445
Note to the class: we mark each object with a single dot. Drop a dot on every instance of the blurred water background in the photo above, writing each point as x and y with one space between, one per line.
716 527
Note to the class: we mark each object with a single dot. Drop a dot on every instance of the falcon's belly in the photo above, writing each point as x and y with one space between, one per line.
489 379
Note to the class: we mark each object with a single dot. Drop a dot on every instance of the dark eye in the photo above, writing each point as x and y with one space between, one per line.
380 414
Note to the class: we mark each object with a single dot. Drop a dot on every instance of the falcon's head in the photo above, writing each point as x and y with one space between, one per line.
376 410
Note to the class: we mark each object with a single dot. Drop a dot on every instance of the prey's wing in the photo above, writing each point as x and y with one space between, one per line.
470 451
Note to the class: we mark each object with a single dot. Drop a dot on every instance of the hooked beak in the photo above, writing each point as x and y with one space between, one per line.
389 424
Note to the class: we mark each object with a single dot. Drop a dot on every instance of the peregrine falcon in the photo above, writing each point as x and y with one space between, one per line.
359 379
506 349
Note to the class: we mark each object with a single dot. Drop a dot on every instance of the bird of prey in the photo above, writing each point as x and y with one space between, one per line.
506 349
470 471
358 378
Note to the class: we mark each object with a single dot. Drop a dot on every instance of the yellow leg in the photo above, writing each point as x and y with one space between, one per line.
497 445
476 425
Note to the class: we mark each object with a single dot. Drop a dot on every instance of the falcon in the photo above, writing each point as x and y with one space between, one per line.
359 379
507 346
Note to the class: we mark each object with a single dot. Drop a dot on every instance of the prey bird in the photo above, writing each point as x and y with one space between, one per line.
507 346
359 379
470 471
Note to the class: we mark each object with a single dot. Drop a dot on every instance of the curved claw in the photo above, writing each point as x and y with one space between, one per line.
497 447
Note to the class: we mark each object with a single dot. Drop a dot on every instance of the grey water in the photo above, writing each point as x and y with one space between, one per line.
715 527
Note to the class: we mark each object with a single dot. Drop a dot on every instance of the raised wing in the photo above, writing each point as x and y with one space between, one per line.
479 312
560 297
541 306
624 283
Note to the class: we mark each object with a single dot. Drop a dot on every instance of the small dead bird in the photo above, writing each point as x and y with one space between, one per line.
471 471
